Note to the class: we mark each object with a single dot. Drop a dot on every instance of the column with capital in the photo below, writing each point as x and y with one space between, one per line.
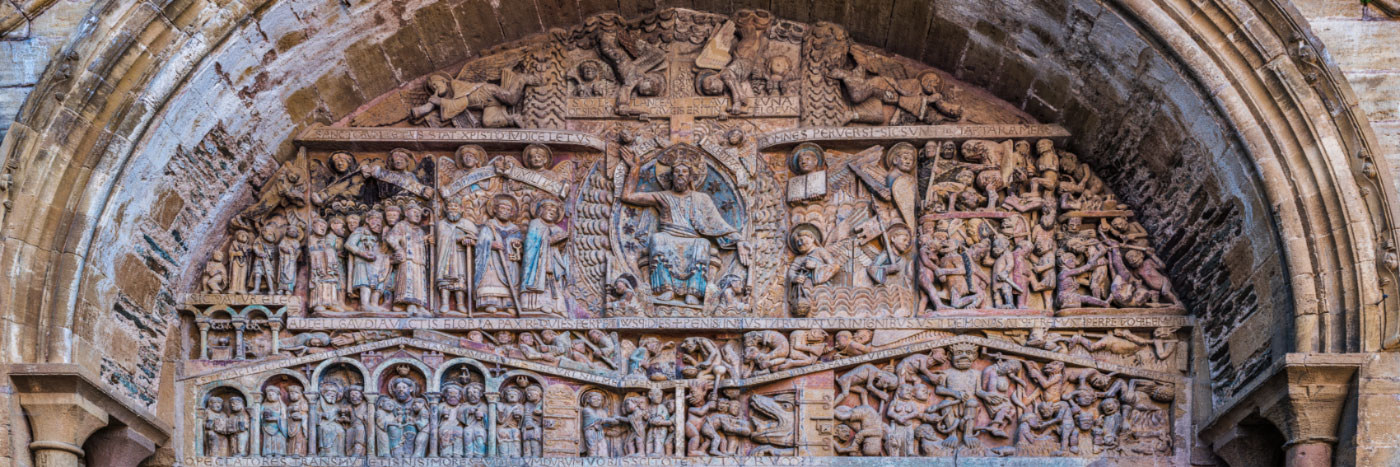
239 352
61 424
679 426
203 339
313 427
434 418
255 402
276 325
492 398
372 431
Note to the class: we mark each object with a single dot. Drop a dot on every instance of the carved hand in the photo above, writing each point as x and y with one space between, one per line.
628 157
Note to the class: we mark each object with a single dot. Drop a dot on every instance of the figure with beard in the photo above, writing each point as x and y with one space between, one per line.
323 254
330 433
449 427
496 258
455 237
680 253
410 258
473 417
544 268
363 247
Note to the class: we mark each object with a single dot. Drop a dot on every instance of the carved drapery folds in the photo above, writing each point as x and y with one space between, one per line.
685 235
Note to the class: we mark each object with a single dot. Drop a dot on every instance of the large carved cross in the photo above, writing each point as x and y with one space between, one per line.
681 106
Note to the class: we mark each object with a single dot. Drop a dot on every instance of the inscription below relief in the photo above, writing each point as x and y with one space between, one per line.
333 136
896 133
739 324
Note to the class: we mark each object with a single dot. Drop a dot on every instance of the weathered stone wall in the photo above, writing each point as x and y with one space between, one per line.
1361 42
32 33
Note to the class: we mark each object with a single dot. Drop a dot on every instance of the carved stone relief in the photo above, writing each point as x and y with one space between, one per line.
684 235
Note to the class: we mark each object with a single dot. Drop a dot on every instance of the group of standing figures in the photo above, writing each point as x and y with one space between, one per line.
374 248
1012 225
400 424
645 425
280 425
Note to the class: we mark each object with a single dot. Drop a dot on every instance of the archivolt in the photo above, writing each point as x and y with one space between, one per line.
107 117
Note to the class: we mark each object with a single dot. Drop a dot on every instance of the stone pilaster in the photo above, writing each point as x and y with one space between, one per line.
60 424
1310 408
65 406
1303 398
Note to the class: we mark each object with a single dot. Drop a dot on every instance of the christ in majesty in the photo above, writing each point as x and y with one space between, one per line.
681 251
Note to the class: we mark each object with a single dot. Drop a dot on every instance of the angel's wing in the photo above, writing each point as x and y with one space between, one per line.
391 109
563 171
715 55
489 68
647 56
875 63
904 192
